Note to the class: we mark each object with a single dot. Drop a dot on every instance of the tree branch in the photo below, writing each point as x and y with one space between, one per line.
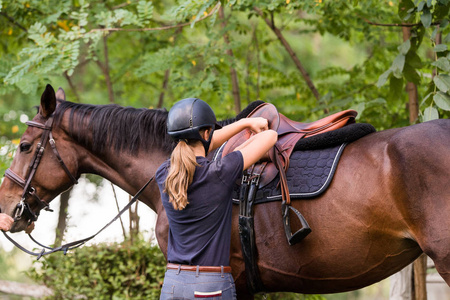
394 24
105 69
167 74
291 52
233 73
154 28
72 86
10 19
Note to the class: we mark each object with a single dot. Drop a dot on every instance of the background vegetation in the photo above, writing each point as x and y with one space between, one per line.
387 59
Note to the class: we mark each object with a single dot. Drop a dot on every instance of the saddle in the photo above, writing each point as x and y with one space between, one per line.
277 160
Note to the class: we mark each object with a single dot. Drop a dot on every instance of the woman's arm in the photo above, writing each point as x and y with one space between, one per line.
222 135
257 146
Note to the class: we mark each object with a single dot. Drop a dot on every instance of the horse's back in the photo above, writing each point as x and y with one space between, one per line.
370 222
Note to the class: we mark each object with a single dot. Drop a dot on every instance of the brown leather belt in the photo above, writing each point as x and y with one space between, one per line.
210 269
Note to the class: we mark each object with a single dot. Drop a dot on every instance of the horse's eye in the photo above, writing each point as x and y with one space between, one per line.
25 147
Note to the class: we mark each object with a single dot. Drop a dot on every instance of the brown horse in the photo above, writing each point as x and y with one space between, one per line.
387 204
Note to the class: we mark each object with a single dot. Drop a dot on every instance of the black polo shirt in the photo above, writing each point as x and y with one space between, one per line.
200 234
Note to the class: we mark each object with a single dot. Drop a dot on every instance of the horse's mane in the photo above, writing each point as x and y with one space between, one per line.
99 127
129 129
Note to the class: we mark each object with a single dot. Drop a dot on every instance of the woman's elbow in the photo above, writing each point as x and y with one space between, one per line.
273 137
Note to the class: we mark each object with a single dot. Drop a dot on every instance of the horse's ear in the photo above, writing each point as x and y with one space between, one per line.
60 94
48 102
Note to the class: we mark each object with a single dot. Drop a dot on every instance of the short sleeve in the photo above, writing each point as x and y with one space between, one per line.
229 168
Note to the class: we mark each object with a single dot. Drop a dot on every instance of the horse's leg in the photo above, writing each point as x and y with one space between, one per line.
422 163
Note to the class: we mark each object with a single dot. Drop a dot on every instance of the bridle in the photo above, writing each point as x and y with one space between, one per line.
23 207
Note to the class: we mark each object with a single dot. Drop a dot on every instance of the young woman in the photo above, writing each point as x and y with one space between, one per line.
196 194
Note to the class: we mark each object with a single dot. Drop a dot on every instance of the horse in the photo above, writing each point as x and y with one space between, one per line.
387 204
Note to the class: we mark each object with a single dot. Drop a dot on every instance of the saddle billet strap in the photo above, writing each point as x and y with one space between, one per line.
249 186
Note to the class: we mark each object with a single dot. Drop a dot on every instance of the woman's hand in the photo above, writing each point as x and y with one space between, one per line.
257 124
5 222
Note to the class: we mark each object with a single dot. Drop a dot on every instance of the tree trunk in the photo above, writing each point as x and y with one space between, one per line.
420 278
411 88
233 73
134 221
164 88
105 70
62 217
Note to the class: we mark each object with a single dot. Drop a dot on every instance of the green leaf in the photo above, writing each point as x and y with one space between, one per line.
383 78
430 113
413 59
421 6
446 39
442 82
395 87
440 48
404 7
442 100
397 65
426 18
404 48
442 63
145 11
411 74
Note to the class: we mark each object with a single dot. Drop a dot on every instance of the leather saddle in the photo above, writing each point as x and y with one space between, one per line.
277 160
289 133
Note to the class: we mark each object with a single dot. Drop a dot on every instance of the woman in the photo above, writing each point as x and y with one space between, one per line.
196 195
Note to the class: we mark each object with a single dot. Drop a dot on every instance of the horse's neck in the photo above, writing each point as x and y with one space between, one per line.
128 171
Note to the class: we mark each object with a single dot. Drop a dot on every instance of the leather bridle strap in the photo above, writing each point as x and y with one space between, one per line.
23 206
76 244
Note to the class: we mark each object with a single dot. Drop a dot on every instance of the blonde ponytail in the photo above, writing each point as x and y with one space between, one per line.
180 175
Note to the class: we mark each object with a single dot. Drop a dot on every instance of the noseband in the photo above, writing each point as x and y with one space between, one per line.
23 207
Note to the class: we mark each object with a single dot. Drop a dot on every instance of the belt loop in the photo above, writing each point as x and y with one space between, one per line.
179 269
197 271
221 272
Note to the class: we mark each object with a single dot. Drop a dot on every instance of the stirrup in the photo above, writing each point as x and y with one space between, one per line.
301 233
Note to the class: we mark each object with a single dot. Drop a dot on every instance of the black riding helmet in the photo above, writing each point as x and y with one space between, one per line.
187 117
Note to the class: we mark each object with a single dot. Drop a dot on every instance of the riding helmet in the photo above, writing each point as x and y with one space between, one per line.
187 117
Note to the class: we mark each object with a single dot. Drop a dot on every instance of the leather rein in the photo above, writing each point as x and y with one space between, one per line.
23 207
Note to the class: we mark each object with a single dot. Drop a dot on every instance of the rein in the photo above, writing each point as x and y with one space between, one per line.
76 244
23 207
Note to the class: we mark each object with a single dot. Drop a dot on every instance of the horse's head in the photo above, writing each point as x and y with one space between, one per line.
44 165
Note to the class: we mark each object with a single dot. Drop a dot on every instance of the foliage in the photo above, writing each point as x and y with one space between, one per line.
105 271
